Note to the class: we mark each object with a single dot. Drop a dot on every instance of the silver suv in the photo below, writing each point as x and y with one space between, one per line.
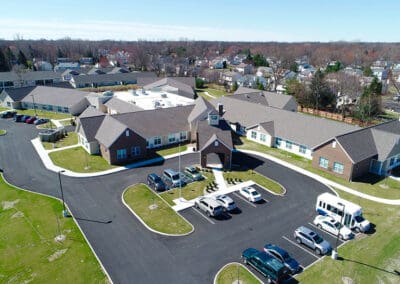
210 206
304 235
226 202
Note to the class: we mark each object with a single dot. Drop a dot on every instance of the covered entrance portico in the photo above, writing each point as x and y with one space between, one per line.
216 146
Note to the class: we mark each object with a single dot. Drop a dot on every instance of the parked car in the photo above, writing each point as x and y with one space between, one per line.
25 117
266 264
193 173
31 120
304 235
210 206
283 256
250 194
155 182
7 114
40 121
18 117
226 202
173 177
332 226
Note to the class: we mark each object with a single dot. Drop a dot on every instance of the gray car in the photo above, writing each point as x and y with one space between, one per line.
305 236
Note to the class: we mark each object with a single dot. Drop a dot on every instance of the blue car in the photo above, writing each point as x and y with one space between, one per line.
283 256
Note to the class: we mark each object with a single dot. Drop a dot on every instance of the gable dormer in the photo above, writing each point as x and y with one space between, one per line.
213 118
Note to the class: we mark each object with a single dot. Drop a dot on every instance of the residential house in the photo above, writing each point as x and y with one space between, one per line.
380 72
25 79
374 149
86 61
244 68
67 65
229 77
43 65
250 81
263 71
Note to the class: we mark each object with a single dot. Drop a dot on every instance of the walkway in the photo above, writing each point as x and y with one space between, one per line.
324 180
48 163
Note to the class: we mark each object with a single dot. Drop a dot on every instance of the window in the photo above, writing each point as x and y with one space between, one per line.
183 136
253 135
121 154
135 151
278 142
263 137
157 140
289 145
66 110
338 168
391 162
323 162
171 138
50 107
59 109
302 149
127 133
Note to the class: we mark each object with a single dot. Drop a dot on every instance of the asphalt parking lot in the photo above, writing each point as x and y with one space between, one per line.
129 251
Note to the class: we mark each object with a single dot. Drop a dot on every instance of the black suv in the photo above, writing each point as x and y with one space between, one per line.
155 182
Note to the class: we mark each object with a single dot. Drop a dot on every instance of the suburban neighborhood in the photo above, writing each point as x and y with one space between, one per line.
247 158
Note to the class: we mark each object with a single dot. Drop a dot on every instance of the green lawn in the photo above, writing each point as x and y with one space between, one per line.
189 191
371 258
170 151
257 178
231 273
3 108
387 188
69 140
44 114
215 92
162 218
47 125
77 159
2 131
66 122
28 252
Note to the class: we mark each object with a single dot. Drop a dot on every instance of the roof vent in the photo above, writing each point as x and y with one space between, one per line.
247 96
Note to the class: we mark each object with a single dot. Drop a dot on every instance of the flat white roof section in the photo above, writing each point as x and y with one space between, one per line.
149 100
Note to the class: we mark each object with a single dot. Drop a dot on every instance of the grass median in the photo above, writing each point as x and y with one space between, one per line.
385 188
28 225
257 178
44 114
170 151
78 160
154 211
189 191
69 140
235 271
371 258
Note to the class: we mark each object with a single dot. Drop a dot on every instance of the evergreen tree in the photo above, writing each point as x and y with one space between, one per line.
22 59
10 57
370 103
4 67
235 86
259 60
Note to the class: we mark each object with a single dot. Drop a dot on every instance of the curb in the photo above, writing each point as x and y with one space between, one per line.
147 226
233 263
73 218
274 193
323 180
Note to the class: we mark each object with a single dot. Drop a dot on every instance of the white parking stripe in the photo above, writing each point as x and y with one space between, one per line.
205 217
299 246
322 230
266 200
244 199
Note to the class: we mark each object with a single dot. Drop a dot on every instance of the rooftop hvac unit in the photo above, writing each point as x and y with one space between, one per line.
163 96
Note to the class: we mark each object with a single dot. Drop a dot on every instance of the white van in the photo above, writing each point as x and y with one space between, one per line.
332 205
173 177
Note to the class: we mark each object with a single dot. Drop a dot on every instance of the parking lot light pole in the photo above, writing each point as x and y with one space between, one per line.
335 254
180 178
65 212
34 105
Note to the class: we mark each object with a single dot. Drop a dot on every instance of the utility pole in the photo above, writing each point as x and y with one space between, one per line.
65 213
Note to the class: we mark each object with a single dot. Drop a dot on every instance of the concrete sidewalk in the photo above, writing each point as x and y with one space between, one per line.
48 163
323 180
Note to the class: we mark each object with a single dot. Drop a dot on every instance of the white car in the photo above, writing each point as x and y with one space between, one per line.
250 194
332 226
226 202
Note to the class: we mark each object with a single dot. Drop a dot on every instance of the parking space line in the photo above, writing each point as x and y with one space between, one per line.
266 200
205 217
332 235
244 199
297 245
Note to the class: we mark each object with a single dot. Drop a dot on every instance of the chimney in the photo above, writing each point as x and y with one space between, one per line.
220 109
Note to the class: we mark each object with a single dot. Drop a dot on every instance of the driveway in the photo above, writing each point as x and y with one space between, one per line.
129 252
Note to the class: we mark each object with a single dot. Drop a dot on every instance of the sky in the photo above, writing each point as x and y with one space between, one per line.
214 20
